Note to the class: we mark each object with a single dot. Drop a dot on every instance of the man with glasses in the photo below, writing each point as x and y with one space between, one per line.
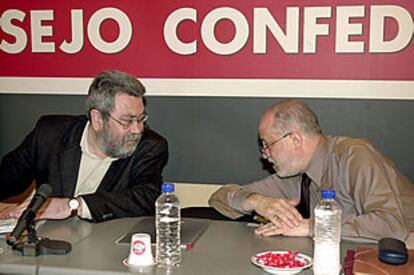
377 200
102 166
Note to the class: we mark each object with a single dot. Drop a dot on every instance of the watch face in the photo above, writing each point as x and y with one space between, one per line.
74 204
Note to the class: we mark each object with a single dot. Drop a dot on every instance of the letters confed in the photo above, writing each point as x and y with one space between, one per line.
289 37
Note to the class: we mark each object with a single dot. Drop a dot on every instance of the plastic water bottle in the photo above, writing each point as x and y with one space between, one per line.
168 227
327 235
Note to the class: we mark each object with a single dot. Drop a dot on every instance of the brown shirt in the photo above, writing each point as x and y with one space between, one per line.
377 200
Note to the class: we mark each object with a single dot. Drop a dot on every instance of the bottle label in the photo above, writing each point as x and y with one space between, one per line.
169 219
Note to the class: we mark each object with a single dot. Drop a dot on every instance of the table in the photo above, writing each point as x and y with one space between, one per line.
224 248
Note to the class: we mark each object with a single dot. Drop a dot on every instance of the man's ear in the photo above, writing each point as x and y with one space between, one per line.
97 121
297 139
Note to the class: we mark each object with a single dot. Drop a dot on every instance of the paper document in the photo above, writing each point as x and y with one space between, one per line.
7 226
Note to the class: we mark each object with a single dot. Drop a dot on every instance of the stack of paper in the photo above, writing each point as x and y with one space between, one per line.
7 226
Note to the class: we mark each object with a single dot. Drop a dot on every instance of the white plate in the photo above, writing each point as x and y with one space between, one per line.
282 271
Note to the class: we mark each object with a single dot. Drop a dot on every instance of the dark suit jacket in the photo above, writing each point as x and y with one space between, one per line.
51 154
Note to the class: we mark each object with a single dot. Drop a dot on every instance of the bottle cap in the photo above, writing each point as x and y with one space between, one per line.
167 187
328 194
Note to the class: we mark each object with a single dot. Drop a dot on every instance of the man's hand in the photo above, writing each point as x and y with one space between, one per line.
302 230
281 212
53 209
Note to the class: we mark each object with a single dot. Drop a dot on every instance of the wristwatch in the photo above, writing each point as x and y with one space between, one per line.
74 205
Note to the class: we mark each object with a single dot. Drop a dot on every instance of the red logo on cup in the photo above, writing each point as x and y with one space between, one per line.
138 247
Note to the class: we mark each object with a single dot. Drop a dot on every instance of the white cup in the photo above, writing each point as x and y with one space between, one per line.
140 253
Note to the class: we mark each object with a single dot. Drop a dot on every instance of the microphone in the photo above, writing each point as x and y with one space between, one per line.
30 213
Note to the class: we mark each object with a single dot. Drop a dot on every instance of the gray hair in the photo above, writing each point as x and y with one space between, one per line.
292 115
106 85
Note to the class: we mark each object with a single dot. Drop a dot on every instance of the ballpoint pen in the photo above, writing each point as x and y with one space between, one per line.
260 219
186 246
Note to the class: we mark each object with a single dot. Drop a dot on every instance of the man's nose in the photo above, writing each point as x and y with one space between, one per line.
137 127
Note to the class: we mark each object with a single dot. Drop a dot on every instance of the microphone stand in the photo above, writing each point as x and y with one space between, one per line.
35 246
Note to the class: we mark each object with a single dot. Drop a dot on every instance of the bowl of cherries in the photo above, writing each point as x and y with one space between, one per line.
282 262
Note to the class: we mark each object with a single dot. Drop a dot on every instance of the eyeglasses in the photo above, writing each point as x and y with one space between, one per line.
265 147
127 123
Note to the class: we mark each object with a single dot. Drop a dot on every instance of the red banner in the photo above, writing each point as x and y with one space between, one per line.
328 40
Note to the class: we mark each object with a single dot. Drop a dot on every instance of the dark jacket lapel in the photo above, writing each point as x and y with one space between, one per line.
70 157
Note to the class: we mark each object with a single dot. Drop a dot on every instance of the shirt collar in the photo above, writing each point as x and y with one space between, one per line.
85 146
317 165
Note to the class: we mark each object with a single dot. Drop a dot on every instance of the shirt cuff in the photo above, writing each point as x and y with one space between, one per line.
85 213
238 198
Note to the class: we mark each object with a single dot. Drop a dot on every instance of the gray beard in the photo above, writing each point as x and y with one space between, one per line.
117 148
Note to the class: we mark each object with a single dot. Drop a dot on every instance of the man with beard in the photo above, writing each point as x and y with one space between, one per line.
376 199
102 166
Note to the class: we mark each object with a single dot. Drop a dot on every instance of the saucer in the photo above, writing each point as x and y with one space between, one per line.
125 262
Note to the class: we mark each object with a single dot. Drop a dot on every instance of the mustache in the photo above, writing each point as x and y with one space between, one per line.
132 137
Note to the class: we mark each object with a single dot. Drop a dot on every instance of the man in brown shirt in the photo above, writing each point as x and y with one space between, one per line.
377 200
